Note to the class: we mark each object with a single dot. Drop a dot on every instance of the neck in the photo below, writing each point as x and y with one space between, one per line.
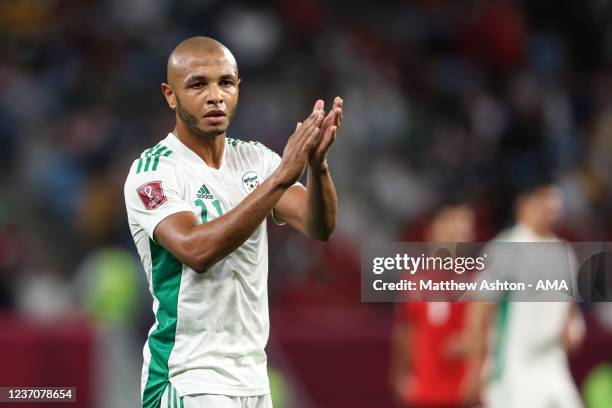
210 149
539 229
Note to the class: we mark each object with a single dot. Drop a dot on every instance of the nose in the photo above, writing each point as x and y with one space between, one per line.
214 96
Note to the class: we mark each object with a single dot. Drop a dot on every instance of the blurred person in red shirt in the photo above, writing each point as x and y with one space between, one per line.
428 367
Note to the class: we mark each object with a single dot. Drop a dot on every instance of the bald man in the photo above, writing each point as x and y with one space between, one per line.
197 204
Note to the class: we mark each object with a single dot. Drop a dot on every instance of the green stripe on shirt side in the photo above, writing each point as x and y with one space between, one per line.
170 394
166 281
501 337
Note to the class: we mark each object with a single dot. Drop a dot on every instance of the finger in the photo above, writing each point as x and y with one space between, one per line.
327 131
332 116
312 139
314 117
315 134
337 117
328 140
319 119
332 136
319 105
298 125
316 120
309 124
328 121
338 104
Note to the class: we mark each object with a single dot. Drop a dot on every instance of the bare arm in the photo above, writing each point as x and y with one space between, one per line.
574 330
322 204
475 335
200 246
312 211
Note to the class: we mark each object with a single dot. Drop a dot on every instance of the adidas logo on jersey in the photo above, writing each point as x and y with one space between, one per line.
204 193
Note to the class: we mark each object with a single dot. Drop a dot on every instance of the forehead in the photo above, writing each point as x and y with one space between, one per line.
203 63
455 214
545 193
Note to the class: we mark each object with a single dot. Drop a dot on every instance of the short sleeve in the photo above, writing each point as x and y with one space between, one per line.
152 195
272 161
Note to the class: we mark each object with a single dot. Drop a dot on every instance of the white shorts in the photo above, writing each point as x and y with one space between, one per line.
537 393
170 399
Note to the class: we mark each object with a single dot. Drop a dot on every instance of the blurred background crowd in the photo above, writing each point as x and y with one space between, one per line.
443 98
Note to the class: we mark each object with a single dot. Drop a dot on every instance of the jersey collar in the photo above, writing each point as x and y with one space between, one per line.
190 155
528 233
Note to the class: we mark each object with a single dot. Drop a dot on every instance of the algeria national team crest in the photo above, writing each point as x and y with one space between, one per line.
251 180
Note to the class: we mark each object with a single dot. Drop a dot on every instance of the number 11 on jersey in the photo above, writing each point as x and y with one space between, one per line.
204 215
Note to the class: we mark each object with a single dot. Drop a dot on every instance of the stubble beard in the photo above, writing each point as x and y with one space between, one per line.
191 122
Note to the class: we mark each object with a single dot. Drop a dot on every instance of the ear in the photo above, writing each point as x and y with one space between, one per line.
169 95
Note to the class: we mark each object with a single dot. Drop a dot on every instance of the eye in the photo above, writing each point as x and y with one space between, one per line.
197 85
226 83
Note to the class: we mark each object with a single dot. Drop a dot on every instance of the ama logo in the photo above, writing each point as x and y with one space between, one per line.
251 180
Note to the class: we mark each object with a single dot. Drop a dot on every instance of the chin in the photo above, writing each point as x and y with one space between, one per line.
212 129
212 132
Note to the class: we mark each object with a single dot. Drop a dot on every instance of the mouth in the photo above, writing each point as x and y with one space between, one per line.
215 116
215 112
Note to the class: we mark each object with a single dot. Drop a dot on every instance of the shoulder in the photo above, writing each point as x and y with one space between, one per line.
154 158
156 161
251 151
246 146
508 235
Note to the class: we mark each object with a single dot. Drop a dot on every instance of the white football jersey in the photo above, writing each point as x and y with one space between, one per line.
210 328
529 365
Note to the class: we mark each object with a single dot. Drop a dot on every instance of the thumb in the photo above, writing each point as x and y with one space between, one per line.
298 125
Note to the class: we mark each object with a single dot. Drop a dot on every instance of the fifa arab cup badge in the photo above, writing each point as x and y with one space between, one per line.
152 195
251 180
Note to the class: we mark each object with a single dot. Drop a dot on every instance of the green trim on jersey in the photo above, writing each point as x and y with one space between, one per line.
152 155
501 337
235 142
166 280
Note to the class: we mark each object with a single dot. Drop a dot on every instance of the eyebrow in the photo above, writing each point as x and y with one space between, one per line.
202 78
228 76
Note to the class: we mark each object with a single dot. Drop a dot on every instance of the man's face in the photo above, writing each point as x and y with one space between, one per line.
453 224
546 205
204 92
